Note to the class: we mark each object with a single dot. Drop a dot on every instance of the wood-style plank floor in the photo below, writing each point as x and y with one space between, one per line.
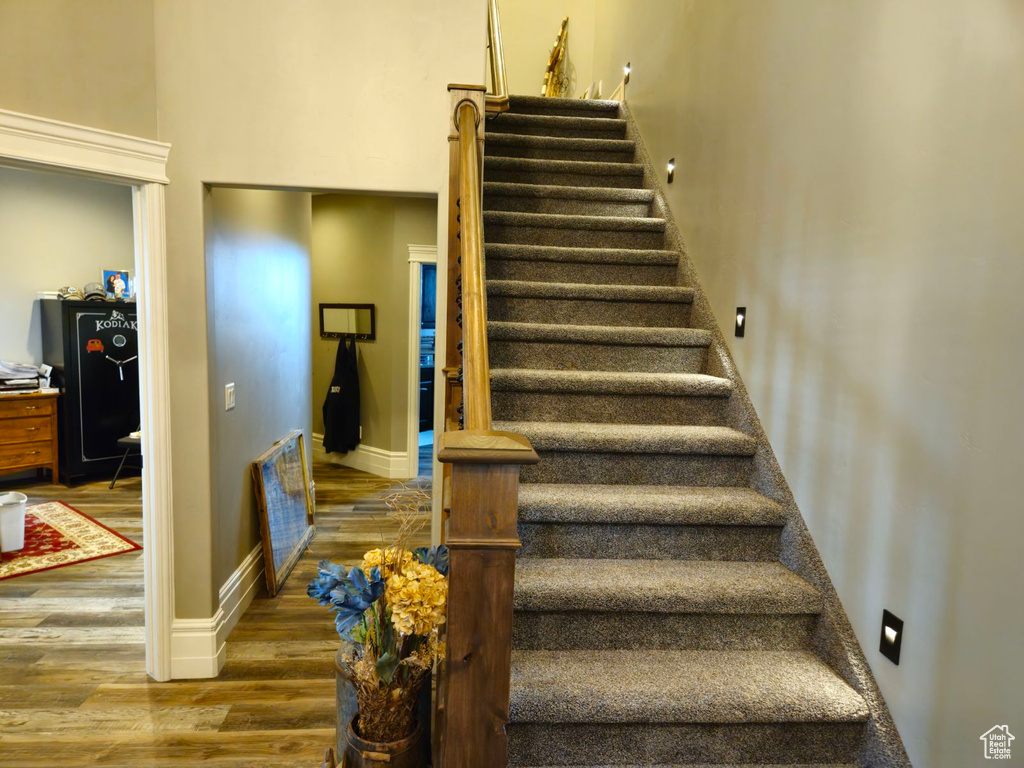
73 687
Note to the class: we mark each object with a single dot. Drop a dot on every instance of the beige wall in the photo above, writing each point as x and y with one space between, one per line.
89 62
54 231
528 31
313 94
361 255
258 294
853 173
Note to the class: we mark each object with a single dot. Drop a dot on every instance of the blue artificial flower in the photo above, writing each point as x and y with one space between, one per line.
348 594
435 556
329 575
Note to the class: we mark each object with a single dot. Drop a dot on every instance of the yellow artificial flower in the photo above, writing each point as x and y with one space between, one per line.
376 558
418 596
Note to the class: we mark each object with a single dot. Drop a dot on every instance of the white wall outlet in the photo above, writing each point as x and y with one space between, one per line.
229 396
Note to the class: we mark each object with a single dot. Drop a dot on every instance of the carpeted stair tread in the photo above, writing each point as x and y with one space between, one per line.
575 167
679 687
563 192
661 586
595 107
557 123
558 142
632 438
573 222
569 254
648 505
599 334
591 291
610 382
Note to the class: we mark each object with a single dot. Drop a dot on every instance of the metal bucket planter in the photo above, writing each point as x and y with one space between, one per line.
410 752
348 708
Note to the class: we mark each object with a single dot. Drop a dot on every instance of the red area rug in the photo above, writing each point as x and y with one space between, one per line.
57 535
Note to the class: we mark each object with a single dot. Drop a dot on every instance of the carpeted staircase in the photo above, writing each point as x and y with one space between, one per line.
655 624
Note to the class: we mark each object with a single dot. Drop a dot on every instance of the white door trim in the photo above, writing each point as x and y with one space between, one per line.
418 256
36 142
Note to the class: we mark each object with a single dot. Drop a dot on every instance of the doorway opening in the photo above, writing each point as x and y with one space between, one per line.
315 297
423 336
74 195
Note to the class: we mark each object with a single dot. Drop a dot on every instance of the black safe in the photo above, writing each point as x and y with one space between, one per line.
93 347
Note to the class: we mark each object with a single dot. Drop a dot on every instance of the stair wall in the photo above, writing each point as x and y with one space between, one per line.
833 638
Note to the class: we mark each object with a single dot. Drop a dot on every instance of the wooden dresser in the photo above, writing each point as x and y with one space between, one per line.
28 433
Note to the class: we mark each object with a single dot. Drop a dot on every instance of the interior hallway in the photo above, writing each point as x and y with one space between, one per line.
73 687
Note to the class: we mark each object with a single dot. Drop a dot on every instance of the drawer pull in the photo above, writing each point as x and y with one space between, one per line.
31 407
31 429
33 453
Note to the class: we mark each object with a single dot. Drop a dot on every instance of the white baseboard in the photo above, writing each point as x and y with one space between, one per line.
393 465
198 645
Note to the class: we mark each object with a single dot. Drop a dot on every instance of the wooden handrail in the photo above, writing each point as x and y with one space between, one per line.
476 374
480 481
497 99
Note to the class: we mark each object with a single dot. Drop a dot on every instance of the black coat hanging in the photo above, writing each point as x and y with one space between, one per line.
341 408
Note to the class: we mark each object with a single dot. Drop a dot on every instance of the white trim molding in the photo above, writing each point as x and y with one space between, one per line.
40 143
198 646
393 465
423 254
418 256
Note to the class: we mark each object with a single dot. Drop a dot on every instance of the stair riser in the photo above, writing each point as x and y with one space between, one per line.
563 109
624 181
589 131
579 238
523 204
650 542
497 149
638 469
573 272
609 409
637 744
517 309
597 357
586 631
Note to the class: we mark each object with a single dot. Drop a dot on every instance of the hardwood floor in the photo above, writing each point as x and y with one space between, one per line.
73 687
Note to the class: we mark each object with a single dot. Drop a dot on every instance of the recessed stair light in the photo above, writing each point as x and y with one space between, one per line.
892 636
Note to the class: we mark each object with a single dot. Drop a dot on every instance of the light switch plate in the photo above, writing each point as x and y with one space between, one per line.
229 396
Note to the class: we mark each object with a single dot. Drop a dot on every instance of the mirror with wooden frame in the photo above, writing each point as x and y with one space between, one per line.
348 321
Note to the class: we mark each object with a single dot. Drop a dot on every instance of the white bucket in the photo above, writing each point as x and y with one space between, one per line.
12 521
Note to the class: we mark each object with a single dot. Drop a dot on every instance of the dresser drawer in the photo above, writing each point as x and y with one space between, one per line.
26 430
31 406
25 455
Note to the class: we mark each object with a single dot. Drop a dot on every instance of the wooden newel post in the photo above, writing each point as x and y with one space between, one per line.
482 539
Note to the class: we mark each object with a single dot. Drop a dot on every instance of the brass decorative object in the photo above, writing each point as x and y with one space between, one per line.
556 83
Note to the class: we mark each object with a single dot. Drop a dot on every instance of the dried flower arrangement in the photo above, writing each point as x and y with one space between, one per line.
391 607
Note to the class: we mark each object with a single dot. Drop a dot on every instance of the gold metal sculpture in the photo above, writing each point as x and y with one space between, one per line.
555 81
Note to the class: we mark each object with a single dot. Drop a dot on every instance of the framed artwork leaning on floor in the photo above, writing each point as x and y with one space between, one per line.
281 483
